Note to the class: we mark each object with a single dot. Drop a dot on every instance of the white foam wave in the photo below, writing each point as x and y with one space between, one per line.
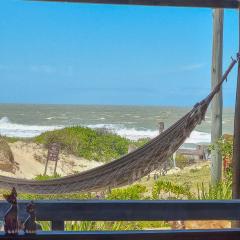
196 137
199 137
7 128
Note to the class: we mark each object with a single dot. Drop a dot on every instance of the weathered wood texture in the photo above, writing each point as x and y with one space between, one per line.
217 102
236 138
227 234
58 211
236 141
173 3
98 210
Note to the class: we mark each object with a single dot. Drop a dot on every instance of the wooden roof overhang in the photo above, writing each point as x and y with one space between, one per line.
170 3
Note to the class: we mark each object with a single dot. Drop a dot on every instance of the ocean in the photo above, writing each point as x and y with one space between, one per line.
132 122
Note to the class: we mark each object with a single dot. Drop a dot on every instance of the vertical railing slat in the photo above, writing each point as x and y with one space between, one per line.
58 225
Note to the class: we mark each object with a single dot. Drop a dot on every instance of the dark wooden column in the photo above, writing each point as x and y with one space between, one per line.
236 139
236 142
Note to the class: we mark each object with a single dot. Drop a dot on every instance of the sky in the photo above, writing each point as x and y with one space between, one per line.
62 53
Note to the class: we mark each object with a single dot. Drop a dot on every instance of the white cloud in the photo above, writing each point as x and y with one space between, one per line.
43 69
192 67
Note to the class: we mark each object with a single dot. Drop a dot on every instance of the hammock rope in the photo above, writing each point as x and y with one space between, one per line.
128 168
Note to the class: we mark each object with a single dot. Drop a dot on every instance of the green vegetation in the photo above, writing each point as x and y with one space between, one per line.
99 145
85 142
12 139
189 183
166 187
190 178
134 192
169 190
225 146
221 191
42 177
182 161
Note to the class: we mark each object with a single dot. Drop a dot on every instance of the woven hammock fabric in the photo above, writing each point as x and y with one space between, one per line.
128 168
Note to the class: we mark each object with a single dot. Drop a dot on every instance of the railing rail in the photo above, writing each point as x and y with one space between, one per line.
102 210
227 234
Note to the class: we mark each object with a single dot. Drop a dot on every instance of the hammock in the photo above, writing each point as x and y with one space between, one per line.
128 168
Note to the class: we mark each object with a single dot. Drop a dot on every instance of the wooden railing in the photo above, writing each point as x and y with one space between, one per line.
97 210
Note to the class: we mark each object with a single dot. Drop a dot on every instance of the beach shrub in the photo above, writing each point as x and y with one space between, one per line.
169 190
76 196
220 191
134 192
98 145
140 142
224 145
12 139
42 177
102 225
182 161
87 143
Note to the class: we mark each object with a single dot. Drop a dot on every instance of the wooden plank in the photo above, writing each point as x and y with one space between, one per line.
217 102
97 210
236 137
172 3
236 141
228 234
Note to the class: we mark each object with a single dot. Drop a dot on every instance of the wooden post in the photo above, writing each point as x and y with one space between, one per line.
161 127
53 155
58 225
216 129
55 168
236 141
45 170
236 138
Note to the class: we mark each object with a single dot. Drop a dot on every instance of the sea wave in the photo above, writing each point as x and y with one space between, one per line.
130 133
195 137
10 129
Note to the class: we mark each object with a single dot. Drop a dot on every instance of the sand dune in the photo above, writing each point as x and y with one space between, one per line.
30 161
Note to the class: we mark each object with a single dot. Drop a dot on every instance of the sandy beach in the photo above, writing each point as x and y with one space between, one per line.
30 161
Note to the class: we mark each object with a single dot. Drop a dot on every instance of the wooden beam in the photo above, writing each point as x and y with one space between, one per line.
217 103
171 3
236 138
102 210
219 234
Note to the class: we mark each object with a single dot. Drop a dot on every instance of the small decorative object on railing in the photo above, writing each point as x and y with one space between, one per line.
11 216
30 225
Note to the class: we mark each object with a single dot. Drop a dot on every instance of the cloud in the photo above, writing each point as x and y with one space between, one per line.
127 89
43 69
192 67
67 70
185 68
